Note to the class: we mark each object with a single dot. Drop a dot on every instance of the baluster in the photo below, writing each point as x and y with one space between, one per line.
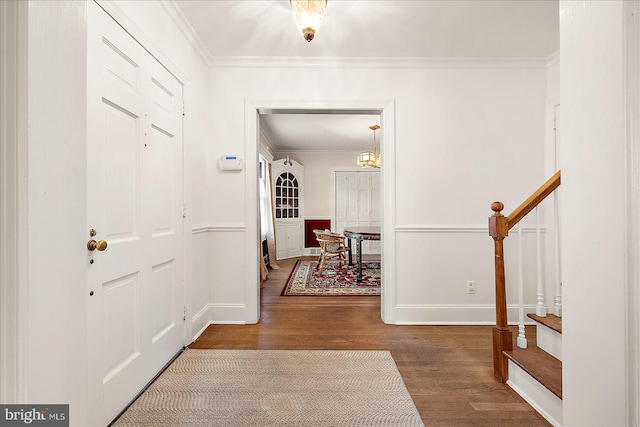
558 297
522 340
541 306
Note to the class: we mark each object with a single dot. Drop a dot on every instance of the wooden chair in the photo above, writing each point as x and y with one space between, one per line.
332 245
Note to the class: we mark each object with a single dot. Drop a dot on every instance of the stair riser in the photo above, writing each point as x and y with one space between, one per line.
549 340
539 397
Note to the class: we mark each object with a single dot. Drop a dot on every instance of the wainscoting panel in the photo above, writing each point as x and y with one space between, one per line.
434 263
218 294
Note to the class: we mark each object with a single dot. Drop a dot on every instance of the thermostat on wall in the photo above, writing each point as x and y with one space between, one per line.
231 162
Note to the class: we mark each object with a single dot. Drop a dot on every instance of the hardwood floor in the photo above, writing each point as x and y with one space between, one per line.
448 370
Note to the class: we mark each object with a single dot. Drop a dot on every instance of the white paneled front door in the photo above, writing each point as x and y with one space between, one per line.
135 192
358 203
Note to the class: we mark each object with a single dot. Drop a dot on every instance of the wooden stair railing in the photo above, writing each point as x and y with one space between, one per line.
499 226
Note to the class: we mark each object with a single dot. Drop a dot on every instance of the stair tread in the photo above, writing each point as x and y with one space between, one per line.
542 366
551 321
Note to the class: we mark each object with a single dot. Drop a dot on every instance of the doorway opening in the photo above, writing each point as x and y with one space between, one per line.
383 114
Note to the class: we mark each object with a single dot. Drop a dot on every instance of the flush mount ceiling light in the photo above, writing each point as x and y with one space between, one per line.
308 15
370 159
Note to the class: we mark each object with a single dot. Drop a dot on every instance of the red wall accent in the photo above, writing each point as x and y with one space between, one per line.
310 225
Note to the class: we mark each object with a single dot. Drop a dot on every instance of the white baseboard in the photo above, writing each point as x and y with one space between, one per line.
446 314
535 394
218 314
435 314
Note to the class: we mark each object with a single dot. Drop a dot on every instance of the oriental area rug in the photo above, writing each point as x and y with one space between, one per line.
335 280
276 388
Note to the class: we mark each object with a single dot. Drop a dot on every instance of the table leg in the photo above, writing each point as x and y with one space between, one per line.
359 260
350 250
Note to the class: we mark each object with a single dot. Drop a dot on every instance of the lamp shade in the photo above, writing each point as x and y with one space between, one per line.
366 159
308 15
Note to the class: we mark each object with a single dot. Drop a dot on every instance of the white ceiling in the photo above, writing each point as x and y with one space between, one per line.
379 28
334 133
400 29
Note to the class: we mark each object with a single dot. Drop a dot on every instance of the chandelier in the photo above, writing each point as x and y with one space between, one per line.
308 15
370 159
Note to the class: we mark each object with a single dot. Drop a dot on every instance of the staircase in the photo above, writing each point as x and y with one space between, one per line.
533 371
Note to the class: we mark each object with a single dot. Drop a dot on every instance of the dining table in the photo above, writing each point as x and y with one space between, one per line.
359 234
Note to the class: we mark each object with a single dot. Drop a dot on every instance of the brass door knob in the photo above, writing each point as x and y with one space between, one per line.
100 245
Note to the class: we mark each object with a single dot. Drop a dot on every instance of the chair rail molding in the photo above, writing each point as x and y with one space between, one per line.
218 228
453 228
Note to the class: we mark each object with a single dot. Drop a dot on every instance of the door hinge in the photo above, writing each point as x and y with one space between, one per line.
184 210
184 110
184 313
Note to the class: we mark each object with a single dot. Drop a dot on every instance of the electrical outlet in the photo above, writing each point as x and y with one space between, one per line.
471 287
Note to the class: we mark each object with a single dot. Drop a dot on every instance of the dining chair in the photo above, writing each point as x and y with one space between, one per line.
332 245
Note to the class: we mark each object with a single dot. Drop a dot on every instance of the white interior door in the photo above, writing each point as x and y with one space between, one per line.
358 203
346 200
135 192
369 207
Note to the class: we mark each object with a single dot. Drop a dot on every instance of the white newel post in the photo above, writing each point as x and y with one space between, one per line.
522 340
541 306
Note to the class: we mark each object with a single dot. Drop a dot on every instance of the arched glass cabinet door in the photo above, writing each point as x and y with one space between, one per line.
287 196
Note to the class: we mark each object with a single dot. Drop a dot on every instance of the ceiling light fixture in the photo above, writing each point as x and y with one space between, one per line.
308 15
370 159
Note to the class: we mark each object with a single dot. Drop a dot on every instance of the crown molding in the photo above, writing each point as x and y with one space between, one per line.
315 151
176 15
362 62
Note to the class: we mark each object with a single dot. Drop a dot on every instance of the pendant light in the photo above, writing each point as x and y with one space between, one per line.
370 159
308 15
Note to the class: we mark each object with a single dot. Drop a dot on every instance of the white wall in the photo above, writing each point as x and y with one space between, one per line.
553 77
593 212
465 136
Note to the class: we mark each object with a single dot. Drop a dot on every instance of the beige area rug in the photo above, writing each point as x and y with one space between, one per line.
276 388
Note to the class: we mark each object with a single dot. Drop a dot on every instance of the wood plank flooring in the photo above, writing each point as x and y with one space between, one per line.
448 370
